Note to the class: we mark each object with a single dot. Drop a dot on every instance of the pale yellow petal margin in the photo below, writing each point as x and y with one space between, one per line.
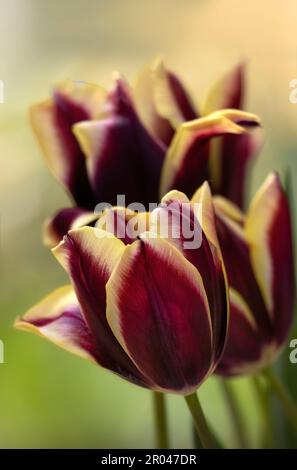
52 306
88 95
163 98
230 215
186 134
203 207
91 137
135 222
238 116
219 94
169 252
88 134
160 222
259 217
42 116
215 164
143 94
49 236
227 208
240 304
175 195
98 244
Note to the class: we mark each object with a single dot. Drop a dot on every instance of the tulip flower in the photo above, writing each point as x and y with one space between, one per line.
258 255
150 309
142 142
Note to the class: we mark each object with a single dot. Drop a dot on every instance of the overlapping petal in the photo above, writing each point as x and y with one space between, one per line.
243 353
100 144
257 251
179 217
227 92
58 318
89 256
230 161
144 97
150 309
122 156
123 223
158 310
269 233
64 220
188 162
172 101
52 121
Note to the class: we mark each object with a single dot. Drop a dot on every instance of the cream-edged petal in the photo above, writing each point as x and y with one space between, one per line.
158 310
171 99
230 210
58 318
61 222
186 160
203 207
269 234
227 92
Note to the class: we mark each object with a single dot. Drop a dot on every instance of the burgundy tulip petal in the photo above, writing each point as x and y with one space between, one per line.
244 342
269 233
176 214
122 157
52 122
241 277
89 256
188 161
63 221
228 92
158 310
144 97
181 98
236 155
172 100
58 318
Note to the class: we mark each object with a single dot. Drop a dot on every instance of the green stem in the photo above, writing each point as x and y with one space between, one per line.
200 423
235 414
161 429
283 395
196 440
265 409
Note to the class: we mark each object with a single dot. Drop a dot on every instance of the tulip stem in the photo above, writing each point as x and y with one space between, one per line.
161 428
266 412
234 412
200 422
283 395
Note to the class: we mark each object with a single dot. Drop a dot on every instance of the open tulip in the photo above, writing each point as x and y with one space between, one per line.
142 142
258 255
149 309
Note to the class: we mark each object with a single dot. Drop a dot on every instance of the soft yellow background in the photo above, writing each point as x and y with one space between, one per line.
49 398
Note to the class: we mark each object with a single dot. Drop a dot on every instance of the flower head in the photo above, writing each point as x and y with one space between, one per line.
258 255
143 141
150 308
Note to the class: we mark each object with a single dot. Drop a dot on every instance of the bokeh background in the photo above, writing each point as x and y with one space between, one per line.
49 398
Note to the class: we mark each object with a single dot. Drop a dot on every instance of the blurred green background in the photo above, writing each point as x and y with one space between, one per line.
49 398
